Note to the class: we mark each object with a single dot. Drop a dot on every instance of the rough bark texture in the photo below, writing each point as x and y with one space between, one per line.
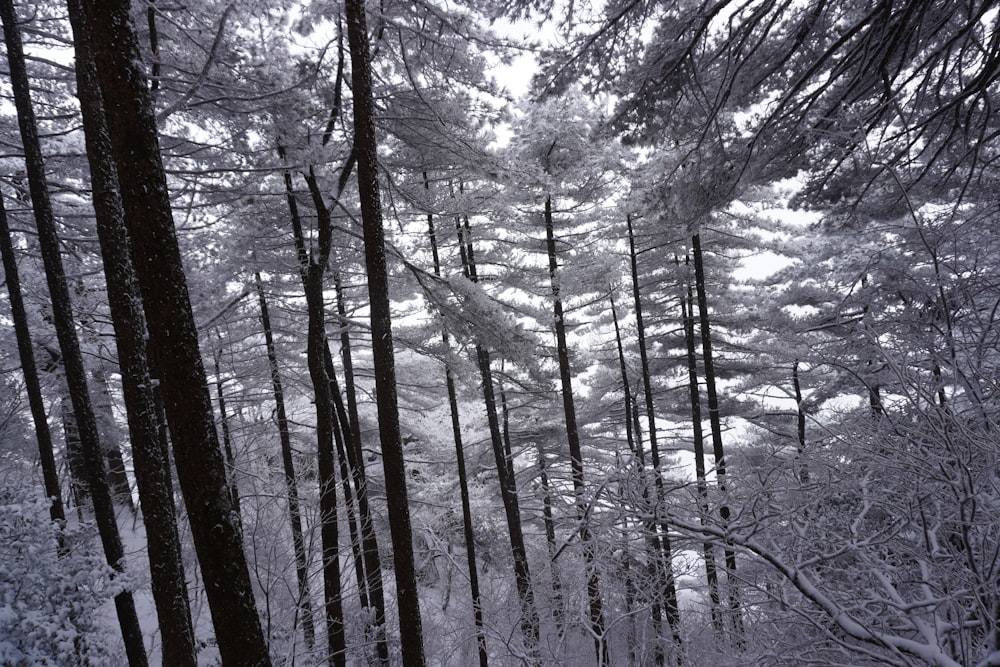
149 448
82 410
29 369
573 439
411 634
69 345
173 336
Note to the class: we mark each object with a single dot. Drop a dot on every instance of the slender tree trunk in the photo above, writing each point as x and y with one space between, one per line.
708 550
311 270
505 468
463 481
548 521
633 435
410 627
575 450
669 586
46 454
356 459
800 422
62 311
149 446
172 332
227 438
336 642
708 362
341 434
291 481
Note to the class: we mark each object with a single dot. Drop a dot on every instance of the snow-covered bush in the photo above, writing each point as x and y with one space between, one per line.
50 598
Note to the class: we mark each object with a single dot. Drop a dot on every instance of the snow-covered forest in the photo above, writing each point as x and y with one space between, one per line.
500 332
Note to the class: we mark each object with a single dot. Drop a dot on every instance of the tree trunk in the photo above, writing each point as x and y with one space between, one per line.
149 447
46 454
304 600
173 336
573 439
463 481
505 469
708 362
633 435
62 311
316 343
800 422
227 438
356 459
708 550
669 586
311 270
341 436
411 634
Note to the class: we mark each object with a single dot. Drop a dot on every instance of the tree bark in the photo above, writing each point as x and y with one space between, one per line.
62 311
173 336
410 626
573 440
149 447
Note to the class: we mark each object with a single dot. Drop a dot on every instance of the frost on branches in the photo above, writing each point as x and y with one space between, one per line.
49 601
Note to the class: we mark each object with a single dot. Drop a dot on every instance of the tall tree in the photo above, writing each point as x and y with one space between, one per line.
573 439
365 144
62 311
172 333
149 448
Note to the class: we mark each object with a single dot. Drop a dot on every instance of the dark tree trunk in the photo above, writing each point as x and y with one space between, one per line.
311 270
288 464
329 536
62 311
669 586
463 480
410 626
46 453
573 439
356 459
505 469
227 438
172 334
341 435
714 420
708 550
149 447
548 521
800 422
633 434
